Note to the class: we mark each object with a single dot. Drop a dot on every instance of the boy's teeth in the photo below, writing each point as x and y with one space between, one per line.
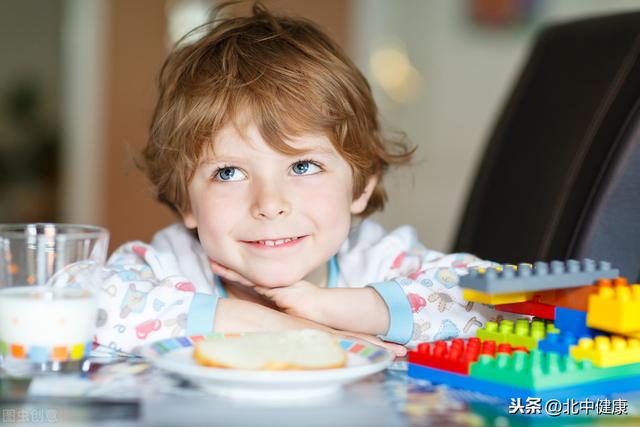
275 242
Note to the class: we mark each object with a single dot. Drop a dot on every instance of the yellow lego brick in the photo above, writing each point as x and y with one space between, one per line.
494 299
607 351
615 309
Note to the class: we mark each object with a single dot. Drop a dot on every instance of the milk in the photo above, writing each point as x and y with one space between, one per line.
39 316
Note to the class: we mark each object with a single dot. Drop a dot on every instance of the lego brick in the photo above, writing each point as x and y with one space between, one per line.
542 276
506 392
453 357
532 308
521 333
574 322
494 299
615 309
558 343
457 355
605 351
577 298
539 370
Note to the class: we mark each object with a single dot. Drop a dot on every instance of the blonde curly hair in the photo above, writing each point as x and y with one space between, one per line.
288 76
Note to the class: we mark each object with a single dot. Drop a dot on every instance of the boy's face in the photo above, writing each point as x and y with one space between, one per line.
248 200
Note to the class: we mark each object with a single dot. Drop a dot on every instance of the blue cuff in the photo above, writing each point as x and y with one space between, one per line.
400 314
201 314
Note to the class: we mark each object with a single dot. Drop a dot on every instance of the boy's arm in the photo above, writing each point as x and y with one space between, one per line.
425 301
358 310
233 315
425 304
140 303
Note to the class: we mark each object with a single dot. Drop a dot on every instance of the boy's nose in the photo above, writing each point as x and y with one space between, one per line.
270 204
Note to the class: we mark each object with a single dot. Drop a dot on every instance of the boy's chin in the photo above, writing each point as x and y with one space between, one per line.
277 279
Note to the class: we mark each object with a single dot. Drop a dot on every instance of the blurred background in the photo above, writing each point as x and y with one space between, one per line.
77 88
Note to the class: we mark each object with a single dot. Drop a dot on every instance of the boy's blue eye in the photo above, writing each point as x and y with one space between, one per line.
305 167
229 173
232 173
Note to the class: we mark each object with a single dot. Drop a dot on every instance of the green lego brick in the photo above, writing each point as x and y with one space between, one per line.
522 333
539 370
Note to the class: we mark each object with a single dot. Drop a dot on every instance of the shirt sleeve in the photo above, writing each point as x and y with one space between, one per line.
425 302
140 301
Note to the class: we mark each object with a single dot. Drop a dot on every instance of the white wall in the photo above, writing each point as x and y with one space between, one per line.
467 72
83 80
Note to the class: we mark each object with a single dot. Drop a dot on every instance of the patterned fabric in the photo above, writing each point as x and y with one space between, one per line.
159 291
428 279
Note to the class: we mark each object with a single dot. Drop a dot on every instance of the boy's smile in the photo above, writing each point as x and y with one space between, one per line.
273 218
271 244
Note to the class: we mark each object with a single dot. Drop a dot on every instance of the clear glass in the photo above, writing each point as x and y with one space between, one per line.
49 274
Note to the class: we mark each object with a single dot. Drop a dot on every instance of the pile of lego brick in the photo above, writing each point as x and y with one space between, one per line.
583 339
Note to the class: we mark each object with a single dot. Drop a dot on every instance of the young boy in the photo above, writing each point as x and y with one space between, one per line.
265 140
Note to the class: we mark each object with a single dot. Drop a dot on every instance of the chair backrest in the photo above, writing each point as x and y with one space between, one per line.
560 177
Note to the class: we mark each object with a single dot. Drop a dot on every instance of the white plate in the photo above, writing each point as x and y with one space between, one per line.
175 355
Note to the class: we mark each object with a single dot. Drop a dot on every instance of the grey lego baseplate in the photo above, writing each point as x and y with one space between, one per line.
541 276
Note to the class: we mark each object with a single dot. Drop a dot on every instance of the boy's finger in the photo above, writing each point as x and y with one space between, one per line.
228 274
262 290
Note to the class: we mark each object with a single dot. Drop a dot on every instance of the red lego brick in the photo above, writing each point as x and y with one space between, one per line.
455 357
533 308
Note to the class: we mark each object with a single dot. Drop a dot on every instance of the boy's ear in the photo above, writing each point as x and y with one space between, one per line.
189 220
360 204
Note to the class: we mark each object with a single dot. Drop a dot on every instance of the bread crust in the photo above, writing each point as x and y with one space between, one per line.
205 361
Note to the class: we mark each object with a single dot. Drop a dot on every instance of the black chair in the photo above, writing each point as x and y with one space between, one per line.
560 177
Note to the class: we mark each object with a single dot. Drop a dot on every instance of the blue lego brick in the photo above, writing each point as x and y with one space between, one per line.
539 277
507 392
574 322
558 343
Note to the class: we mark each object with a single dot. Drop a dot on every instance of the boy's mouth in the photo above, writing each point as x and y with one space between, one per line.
283 241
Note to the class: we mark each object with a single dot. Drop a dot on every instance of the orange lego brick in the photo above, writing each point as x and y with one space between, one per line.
578 298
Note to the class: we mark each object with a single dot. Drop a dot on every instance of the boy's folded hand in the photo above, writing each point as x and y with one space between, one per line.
298 299
229 274
306 301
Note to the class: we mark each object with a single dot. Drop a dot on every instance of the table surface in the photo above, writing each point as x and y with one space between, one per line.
131 392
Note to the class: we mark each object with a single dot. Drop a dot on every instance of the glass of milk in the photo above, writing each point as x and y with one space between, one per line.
49 276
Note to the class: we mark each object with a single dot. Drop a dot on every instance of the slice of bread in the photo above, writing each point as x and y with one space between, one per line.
302 349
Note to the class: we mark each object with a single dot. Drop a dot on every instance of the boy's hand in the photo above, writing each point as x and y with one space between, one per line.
299 299
359 310
233 315
228 274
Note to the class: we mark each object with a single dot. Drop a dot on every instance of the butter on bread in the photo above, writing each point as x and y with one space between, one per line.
305 349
